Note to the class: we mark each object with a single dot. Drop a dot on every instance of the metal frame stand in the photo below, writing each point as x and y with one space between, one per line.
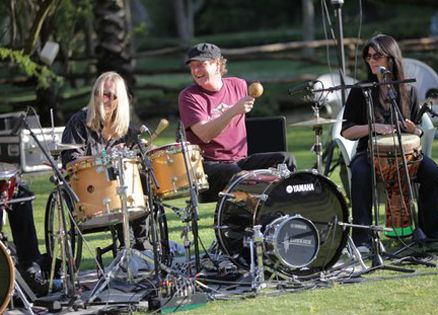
377 261
121 264
192 206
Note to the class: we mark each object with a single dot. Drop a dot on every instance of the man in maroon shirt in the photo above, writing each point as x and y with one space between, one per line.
212 111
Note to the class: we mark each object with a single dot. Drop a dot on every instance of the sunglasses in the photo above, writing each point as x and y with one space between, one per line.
375 57
109 95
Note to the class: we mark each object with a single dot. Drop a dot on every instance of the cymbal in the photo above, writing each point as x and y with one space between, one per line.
65 146
316 122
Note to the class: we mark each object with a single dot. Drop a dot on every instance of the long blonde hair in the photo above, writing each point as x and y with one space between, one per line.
96 112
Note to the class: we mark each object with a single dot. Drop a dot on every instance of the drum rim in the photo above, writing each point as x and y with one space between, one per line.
7 174
344 208
388 149
87 162
176 145
285 219
11 275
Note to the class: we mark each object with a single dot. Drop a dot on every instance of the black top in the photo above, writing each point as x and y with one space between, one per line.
77 132
355 112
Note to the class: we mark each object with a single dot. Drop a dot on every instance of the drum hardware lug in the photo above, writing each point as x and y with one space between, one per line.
262 197
228 195
174 180
283 171
169 160
106 203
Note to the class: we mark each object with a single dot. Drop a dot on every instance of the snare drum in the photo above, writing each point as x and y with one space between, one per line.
8 181
170 171
388 164
99 202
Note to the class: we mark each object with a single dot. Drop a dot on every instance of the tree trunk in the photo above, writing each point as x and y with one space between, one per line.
308 25
182 17
113 40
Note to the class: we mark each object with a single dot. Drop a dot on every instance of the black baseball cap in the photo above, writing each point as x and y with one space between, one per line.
203 52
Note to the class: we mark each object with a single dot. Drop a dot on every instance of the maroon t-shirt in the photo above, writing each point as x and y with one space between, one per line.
197 104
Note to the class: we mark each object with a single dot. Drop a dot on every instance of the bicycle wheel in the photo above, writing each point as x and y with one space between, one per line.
52 223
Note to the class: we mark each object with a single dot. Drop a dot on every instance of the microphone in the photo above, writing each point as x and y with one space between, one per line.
421 112
425 109
305 87
163 124
383 70
143 132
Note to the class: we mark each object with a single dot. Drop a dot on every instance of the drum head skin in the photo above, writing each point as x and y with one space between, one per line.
259 197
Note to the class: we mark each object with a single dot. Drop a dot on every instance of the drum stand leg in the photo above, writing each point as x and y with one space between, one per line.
27 305
257 272
64 242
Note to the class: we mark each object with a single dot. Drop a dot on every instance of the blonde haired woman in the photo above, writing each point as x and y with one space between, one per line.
105 122
103 125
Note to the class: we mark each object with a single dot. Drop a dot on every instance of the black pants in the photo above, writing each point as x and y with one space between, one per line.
220 173
23 229
362 199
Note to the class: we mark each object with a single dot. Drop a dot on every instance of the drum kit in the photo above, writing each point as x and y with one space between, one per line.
267 221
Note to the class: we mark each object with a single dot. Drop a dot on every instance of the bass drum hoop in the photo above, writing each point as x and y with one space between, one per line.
6 274
258 206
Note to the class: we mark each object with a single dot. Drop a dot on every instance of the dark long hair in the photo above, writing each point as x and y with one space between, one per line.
387 46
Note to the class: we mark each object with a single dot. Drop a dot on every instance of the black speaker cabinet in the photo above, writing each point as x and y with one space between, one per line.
266 134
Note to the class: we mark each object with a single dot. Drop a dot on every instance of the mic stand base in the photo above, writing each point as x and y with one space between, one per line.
377 261
418 239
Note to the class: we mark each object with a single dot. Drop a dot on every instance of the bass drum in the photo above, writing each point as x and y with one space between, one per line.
262 197
7 277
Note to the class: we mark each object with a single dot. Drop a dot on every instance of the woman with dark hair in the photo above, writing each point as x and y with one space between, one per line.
383 60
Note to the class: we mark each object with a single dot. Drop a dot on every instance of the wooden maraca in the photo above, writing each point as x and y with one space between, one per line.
255 89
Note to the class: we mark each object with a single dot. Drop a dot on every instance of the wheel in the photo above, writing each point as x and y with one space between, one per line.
51 227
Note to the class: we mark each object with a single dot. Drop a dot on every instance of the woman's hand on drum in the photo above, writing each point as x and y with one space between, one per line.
410 126
384 129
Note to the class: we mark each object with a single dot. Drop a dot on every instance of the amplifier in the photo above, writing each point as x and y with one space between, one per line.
10 120
25 152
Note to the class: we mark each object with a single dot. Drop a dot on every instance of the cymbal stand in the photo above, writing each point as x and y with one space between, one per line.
192 207
317 147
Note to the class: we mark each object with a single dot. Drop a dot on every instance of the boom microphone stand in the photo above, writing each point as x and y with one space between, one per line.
71 291
377 261
418 235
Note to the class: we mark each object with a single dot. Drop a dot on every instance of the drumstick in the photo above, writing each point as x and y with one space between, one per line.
163 124
255 89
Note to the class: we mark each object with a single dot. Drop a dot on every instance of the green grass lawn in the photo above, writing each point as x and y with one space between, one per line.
399 294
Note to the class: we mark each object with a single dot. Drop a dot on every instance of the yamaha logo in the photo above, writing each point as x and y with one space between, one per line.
300 188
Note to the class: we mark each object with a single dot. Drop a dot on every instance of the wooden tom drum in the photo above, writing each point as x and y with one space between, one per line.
99 201
170 171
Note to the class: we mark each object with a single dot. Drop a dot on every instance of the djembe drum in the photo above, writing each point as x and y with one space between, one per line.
388 164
